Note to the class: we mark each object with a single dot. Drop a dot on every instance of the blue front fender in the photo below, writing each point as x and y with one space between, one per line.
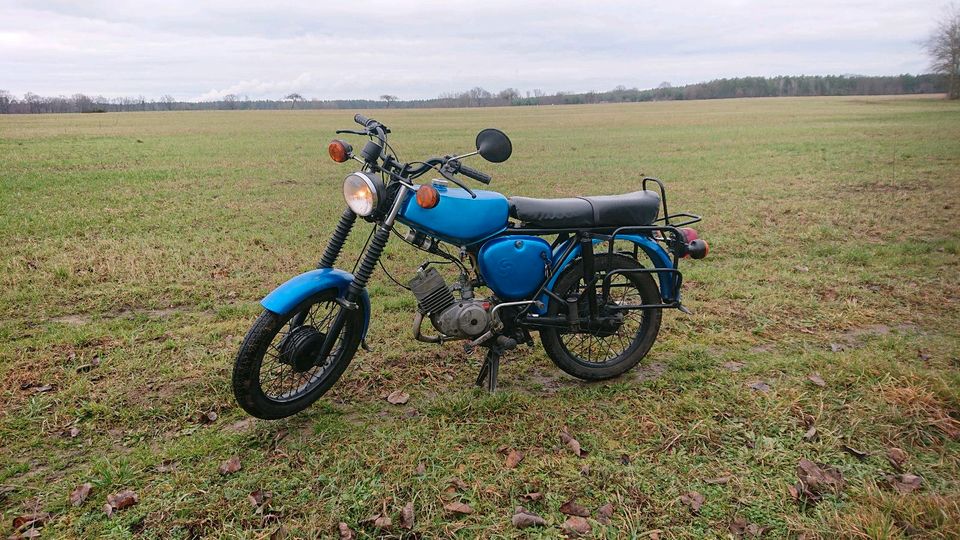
297 289
659 257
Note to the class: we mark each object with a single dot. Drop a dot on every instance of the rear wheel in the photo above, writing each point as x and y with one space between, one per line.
618 346
277 372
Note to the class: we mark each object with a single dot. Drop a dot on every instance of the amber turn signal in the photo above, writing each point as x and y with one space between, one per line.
339 150
427 196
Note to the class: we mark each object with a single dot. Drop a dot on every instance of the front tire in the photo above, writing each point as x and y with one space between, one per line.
602 355
274 375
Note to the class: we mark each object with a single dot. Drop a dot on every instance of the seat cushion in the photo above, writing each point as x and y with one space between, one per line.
637 208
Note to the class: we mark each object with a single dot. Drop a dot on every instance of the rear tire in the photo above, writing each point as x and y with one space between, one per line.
261 362
616 353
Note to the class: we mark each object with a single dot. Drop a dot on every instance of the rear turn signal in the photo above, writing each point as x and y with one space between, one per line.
697 249
427 196
339 150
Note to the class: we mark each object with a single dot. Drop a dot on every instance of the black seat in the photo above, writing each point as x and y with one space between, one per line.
637 208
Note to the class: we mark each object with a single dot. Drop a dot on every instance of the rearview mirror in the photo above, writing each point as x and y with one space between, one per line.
494 145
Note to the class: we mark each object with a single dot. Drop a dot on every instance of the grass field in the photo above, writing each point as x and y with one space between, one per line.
135 249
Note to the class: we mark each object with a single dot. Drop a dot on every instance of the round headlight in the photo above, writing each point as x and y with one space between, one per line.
360 192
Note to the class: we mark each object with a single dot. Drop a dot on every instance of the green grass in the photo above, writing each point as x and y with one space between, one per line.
146 240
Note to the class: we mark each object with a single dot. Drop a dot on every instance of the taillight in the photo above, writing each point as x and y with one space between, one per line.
689 234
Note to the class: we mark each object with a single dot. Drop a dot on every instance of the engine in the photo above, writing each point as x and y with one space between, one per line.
464 319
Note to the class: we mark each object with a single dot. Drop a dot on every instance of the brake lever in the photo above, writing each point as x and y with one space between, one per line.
350 131
451 178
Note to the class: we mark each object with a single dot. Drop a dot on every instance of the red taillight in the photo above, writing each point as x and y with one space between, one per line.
689 234
339 150
427 196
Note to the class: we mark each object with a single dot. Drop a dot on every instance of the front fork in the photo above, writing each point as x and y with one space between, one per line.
367 264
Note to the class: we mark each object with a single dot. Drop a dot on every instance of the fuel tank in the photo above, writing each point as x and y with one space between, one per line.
514 267
458 218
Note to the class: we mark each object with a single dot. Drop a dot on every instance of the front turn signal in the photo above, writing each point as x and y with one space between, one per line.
427 196
339 150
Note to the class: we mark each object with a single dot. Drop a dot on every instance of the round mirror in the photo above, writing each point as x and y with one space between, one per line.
494 145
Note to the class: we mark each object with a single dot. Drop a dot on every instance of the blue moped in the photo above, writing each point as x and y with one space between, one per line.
569 269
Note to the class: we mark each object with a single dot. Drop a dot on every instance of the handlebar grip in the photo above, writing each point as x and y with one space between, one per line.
475 174
361 119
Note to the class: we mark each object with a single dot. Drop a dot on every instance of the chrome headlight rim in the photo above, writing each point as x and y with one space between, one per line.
372 183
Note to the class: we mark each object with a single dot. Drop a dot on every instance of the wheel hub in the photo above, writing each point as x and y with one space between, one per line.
301 347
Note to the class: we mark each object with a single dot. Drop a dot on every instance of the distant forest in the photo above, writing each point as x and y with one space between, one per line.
804 85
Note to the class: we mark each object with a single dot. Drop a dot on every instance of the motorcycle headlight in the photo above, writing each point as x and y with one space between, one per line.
362 193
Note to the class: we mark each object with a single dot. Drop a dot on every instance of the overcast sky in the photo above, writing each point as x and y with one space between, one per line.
199 49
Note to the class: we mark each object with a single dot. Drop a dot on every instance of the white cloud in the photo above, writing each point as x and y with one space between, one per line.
365 48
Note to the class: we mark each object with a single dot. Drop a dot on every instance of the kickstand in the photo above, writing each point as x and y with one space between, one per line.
490 369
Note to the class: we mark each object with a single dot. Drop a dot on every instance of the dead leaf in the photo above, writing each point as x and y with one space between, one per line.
280 534
532 496
346 533
816 379
29 533
604 513
759 386
457 483
572 444
625 459
719 480
230 466
738 526
513 459
406 516
733 366
576 525
896 457
73 432
694 500
260 499
43 389
206 418
811 434
522 518
398 397
80 494
837 347
816 479
458 508
421 469
108 510
859 454
382 522
119 501
801 268
35 519
585 470
904 483
571 508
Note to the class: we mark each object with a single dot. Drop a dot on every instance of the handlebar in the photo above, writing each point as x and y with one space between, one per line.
470 172
362 120
447 166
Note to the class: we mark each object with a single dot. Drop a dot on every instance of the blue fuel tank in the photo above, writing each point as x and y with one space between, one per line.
514 266
458 218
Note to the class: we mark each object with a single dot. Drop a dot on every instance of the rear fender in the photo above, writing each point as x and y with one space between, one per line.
286 297
658 256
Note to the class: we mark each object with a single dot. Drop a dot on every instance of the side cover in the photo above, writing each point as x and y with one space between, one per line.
297 289
514 266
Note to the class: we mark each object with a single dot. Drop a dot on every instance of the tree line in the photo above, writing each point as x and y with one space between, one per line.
804 85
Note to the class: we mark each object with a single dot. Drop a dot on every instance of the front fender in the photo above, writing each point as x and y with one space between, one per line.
284 298
656 253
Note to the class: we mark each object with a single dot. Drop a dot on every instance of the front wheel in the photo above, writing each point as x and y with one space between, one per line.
617 346
277 372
